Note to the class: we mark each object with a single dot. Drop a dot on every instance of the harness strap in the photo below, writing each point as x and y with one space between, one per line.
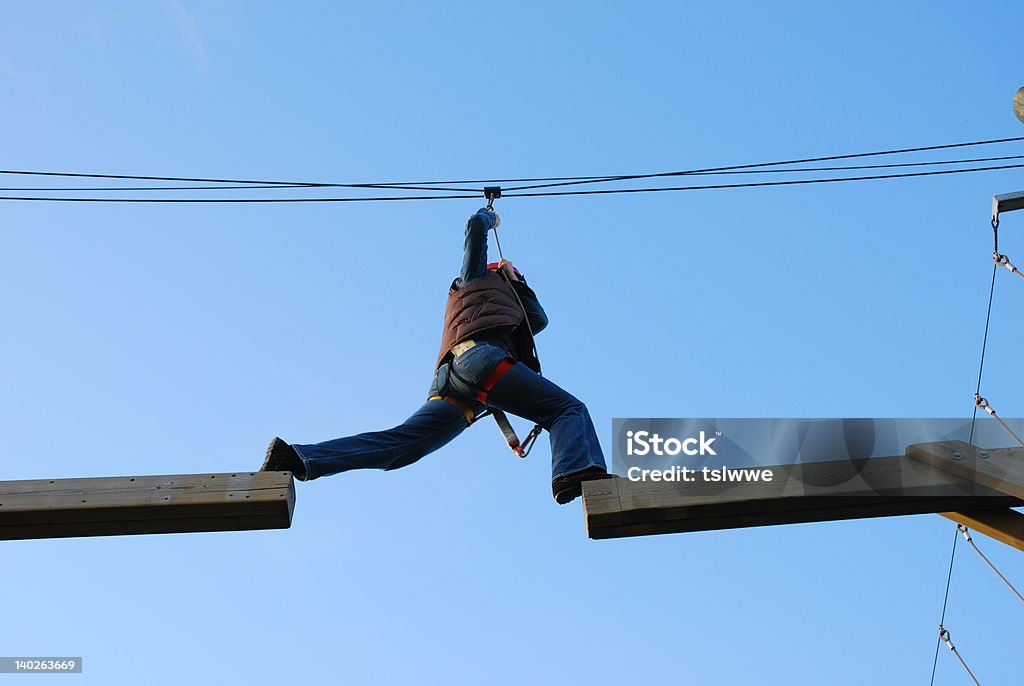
492 379
507 431
522 449
466 410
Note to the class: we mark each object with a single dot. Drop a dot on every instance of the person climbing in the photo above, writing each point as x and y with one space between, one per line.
487 361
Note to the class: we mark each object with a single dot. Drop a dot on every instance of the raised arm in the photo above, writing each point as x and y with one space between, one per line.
474 256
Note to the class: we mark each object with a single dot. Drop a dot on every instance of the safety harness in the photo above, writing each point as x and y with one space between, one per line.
522 449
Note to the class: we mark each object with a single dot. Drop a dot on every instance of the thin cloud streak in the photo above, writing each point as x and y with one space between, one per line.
188 29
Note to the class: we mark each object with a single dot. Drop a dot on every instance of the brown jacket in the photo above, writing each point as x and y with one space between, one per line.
485 303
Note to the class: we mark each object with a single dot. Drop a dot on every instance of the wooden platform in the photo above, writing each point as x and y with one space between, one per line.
111 506
812 492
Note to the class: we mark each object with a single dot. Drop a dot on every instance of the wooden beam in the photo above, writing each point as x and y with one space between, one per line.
1001 469
111 506
811 492
1006 525
1007 203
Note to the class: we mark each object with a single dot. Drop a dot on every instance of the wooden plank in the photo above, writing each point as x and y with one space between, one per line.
1007 203
802 511
1006 526
1001 469
111 506
809 492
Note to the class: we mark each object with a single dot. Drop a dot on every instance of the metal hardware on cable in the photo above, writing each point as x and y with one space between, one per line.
944 637
492 193
982 404
967 535
1004 261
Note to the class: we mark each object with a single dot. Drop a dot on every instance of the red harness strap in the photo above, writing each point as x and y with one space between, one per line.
492 379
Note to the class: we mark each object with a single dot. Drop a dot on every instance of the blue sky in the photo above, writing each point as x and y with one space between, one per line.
150 339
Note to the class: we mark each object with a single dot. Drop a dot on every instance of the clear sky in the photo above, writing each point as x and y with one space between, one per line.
154 339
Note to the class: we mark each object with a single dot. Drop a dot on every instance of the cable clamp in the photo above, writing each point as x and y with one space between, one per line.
492 193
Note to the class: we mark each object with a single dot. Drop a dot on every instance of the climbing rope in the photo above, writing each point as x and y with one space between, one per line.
944 637
967 535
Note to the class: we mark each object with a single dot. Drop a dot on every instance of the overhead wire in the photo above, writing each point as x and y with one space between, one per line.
781 163
222 187
604 191
282 186
555 181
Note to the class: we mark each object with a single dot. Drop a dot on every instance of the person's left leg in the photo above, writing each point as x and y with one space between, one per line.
433 425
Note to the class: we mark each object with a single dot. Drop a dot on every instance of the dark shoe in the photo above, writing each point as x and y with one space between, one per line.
569 487
281 457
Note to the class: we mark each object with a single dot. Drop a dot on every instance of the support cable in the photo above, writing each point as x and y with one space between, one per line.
982 404
988 320
945 602
944 637
967 535
943 634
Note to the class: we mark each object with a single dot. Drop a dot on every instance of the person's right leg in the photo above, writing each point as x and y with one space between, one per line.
523 392
433 425
574 443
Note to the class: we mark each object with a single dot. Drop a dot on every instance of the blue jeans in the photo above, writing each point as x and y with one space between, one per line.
521 391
